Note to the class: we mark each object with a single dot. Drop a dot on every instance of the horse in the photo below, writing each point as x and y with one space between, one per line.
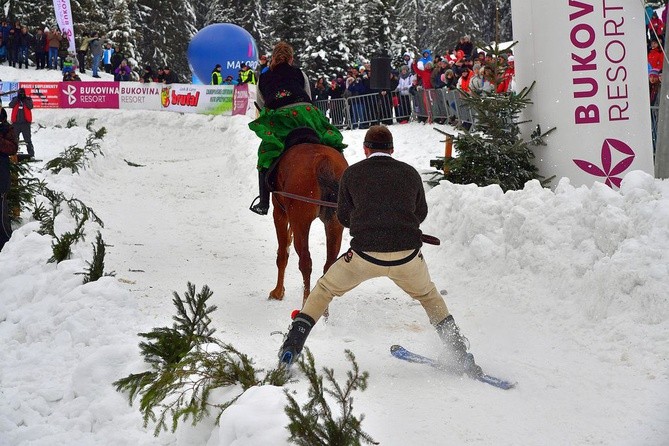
308 174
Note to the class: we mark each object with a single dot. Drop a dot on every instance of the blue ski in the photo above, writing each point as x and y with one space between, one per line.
402 353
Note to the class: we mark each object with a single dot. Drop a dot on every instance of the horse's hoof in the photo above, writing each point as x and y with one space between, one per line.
276 295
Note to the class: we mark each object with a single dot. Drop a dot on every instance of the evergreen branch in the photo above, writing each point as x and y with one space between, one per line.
314 423
183 373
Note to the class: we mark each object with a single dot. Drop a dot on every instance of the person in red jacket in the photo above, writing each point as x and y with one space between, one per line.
655 56
424 74
507 78
22 118
8 147
656 27
463 82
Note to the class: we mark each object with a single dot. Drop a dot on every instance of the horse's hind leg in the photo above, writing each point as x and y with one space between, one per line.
333 236
301 241
283 237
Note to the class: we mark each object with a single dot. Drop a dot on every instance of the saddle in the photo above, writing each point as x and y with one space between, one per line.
300 135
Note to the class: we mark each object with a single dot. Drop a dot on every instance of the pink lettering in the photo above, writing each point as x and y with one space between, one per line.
590 35
610 49
611 27
583 63
616 112
584 9
586 114
594 88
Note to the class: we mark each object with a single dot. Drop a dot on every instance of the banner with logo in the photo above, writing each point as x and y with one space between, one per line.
588 58
64 20
203 99
206 99
43 94
240 99
89 95
139 96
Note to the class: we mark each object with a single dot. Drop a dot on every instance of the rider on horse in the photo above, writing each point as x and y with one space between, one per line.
284 96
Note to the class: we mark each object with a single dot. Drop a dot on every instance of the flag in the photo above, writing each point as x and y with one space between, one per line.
64 20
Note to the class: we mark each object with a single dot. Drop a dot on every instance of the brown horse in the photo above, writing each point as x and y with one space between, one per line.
305 172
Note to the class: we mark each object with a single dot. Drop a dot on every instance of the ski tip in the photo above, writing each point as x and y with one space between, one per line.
394 348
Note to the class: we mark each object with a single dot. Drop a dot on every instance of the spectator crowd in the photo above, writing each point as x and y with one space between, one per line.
462 67
46 49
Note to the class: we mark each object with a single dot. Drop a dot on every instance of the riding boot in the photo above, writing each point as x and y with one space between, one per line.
457 344
262 207
295 339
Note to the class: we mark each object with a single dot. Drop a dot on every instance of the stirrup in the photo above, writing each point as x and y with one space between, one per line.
258 208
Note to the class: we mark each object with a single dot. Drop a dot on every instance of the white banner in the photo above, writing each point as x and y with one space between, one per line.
65 21
588 58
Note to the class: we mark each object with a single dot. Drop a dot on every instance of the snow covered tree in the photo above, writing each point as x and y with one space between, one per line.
244 13
290 22
494 152
167 28
121 31
328 51
31 13
382 31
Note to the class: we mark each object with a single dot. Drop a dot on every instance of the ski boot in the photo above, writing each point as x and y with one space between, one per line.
295 339
450 335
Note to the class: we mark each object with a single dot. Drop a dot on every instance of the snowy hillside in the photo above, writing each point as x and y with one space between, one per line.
563 291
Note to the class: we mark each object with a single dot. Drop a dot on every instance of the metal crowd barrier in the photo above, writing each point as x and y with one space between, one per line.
435 105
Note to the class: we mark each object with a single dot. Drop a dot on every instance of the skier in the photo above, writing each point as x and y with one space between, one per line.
382 202
284 96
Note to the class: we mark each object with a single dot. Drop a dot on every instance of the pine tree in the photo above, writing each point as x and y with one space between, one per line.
493 152
167 28
31 13
328 52
122 33
289 18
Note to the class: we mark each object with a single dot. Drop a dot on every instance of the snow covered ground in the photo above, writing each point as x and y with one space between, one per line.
564 291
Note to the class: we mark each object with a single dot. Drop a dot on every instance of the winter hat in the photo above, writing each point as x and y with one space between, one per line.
510 59
218 65
3 115
378 137
654 73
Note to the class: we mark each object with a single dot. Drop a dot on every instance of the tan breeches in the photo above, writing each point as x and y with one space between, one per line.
347 273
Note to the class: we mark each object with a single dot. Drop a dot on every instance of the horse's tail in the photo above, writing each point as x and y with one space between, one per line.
329 184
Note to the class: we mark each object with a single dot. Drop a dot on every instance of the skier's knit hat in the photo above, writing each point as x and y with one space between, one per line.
378 137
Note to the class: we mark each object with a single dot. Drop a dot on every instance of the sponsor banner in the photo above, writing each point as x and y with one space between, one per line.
89 94
43 94
64 20
139 96
240 99
588 58
205 99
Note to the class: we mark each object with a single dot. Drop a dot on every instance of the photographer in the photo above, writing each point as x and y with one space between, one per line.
22 118
8 147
